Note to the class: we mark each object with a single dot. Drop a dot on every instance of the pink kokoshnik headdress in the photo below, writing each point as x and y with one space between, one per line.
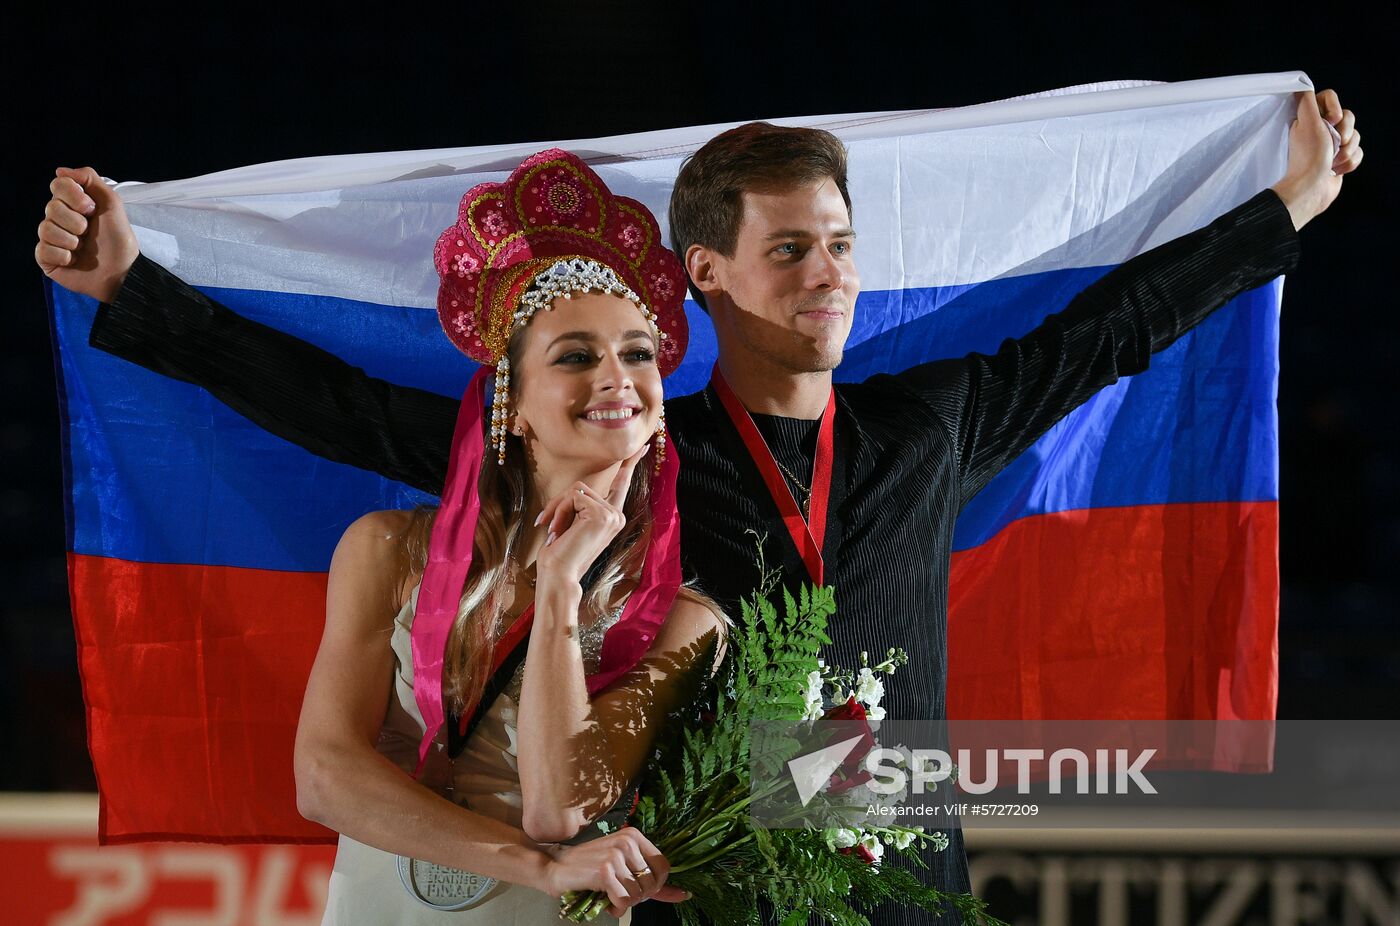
550 230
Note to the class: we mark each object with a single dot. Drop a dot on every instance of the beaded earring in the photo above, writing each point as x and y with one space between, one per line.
499 413
659 443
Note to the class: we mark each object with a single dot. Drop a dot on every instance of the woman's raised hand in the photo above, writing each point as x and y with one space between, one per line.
86 244
581 524
624 865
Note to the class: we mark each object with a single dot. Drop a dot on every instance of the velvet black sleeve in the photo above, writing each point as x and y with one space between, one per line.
995 406
293 389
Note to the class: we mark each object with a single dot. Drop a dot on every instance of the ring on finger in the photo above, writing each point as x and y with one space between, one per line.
643 871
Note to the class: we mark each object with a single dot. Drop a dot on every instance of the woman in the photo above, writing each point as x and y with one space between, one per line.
517 648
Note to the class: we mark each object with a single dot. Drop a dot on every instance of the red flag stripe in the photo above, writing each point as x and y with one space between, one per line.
1171 607
211 714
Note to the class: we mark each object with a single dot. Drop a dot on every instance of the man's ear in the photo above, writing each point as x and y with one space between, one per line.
700 264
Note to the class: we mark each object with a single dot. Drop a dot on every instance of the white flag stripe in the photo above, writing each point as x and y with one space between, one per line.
1083 177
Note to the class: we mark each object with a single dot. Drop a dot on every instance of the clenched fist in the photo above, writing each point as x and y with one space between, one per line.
86 244
1315 166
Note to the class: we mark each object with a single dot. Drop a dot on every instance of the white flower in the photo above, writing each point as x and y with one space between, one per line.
813 697
859 796
903 840
874 809
880 795
928 769
871 843
841 838
869 689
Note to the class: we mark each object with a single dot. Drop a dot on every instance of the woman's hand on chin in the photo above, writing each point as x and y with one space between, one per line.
581 523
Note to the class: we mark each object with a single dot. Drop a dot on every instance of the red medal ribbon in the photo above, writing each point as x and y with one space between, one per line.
807 534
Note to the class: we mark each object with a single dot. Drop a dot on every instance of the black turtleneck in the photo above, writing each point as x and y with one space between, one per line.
793 442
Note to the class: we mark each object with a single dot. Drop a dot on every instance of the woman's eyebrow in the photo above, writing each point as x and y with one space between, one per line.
586 336
589 337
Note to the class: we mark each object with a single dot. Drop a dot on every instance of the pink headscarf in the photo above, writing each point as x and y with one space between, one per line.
551 206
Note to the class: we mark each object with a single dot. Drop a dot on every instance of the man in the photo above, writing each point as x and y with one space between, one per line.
857 486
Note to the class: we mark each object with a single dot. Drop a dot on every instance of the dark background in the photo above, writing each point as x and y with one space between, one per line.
158 100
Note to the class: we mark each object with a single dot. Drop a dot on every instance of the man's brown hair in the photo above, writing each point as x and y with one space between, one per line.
707 203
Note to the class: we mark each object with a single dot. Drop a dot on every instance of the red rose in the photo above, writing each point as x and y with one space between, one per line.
851 710
860 852
850 774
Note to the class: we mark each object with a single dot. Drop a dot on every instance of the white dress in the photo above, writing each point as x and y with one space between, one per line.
367 886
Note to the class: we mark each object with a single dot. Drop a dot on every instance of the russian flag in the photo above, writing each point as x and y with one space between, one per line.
1126 565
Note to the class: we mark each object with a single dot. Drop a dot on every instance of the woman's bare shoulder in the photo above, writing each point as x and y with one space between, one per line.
698 611
378 538
387 525
693 618
375 553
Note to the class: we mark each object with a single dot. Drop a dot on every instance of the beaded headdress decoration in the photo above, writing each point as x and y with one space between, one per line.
550 231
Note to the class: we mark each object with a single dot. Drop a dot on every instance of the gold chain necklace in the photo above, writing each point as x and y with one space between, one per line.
806 492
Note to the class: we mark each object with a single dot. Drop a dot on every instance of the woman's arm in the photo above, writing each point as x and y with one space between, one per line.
575 755
343 783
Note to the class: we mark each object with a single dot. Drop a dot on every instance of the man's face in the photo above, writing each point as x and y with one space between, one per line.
787 297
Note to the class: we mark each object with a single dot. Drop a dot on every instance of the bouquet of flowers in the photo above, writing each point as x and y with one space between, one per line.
730 754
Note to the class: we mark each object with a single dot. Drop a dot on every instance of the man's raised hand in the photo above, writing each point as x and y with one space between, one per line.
85 241
1315 165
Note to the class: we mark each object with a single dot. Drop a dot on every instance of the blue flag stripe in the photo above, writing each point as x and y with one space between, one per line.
1199 426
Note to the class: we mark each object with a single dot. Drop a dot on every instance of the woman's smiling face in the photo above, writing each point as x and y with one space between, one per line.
587 387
